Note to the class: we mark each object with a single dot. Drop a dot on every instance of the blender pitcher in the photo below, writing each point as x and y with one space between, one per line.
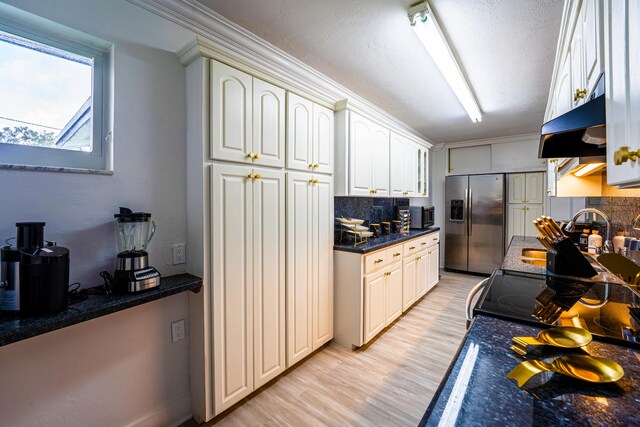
134 230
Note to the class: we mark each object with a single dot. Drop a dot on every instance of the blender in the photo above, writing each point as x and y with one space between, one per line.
134 232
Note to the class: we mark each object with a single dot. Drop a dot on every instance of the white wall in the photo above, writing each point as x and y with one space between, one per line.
118 369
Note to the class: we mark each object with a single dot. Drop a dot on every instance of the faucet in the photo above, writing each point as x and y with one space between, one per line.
607 247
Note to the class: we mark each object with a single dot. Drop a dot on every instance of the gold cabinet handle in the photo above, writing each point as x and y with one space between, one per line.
623 154
379 260
251 155
396 254
423 243
580 94
553 160
435 238
257 156
549 191
251 176
412 247
312 181
311 165
258 176
371 191
404 193
316 165
418 258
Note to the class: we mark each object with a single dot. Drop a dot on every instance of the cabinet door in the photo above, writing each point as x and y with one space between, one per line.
534 188
231 114
360 155
434 266
425 172
517 188
409 167
563 92
232 284
532 212
299 133
299 267
322 261
409 276
515 221
551 176
323 136
622 92
268 124
592 41
374 304
380 163
394 292
268 275
397 165
577 62
422 274
474 159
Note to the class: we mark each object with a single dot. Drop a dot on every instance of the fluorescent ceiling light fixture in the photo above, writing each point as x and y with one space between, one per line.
588 169
428 31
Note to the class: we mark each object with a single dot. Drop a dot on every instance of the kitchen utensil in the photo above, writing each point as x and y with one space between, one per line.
564 337
582 367
133 273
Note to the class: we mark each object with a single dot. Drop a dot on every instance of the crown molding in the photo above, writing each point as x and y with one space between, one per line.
223 40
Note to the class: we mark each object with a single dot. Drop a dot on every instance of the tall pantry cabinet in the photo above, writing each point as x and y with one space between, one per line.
267 299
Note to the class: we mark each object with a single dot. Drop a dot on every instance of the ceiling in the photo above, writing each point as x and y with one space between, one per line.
505 47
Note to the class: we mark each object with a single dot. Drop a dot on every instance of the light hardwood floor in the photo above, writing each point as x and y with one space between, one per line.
389 382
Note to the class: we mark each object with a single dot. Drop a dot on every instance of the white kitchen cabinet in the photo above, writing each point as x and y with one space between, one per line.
592 28
520 219
531 213
393 308
369 157
403 166
622 93
422 276
410 275
374 304
373 289
552 176
576 51
380 161
423 172
310 264
434 266
309 135
563 94
526 187
247 118
469 160
248 280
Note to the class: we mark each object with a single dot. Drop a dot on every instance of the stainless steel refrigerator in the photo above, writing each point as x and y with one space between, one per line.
474 223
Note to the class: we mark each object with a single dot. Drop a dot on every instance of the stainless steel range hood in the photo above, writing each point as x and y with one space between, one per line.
580 132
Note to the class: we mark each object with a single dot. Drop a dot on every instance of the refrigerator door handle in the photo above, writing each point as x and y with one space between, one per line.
470 212
466 211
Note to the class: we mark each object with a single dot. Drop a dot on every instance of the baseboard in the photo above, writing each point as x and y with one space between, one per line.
173 414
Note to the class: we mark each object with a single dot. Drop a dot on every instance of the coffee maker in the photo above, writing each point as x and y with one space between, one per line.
34 276
134 232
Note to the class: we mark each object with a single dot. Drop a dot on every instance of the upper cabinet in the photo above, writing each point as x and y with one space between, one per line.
247 118
404 172
309 136
579 60
622 91
375 160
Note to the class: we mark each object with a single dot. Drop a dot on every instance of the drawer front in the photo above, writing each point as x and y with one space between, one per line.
394 253
411 247
433 238
375 261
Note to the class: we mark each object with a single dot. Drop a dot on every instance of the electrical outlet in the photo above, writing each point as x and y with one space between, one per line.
179 256
177 331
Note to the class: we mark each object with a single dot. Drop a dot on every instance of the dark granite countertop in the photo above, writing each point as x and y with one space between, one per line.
485 396
14 328
382 241
513 260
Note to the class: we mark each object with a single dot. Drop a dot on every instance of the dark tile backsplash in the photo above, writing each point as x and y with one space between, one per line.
622 210
373 210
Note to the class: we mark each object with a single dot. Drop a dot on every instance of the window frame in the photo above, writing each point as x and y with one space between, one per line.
42 31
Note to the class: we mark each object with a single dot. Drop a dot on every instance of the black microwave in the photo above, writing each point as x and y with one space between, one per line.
422 216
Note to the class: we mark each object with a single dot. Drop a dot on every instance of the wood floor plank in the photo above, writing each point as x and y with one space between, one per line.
388 382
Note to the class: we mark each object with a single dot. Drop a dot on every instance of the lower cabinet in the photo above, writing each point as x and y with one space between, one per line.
374 289
309 264
248 280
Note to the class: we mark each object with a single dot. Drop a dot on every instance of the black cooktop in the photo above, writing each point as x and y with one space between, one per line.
610 312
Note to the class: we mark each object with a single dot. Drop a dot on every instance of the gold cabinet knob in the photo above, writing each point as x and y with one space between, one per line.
372 191
251 155
404 193
580 94
311 165
258 176
316 165
623 154
311 181
418 258
549 191
251 176
257 156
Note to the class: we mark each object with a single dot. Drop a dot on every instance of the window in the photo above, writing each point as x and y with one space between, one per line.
53 95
